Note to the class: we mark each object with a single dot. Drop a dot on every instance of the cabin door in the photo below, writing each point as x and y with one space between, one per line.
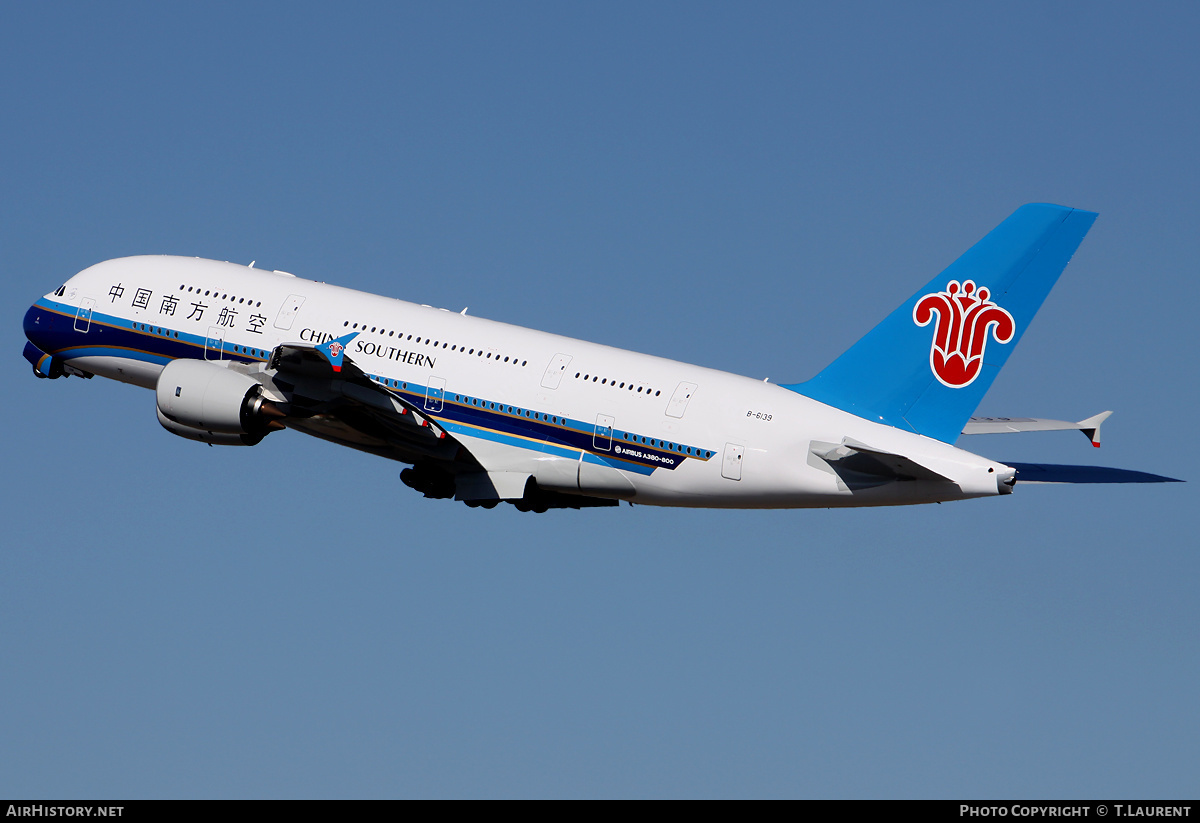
554 372
287 314
83 317
434 394
679 400
602 438
731 466
214 344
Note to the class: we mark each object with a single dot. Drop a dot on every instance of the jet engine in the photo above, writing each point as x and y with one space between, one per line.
212 404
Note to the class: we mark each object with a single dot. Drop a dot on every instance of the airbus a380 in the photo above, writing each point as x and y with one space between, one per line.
488 412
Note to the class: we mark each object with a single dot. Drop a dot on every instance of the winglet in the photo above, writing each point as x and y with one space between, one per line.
335 350
1091 427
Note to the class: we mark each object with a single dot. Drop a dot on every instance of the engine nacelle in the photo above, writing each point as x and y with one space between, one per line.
212 404
211 438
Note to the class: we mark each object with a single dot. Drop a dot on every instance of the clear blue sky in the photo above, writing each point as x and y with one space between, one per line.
746 186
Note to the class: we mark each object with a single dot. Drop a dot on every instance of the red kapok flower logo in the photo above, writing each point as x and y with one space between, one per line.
966 317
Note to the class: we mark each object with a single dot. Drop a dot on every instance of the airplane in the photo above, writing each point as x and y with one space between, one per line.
485 412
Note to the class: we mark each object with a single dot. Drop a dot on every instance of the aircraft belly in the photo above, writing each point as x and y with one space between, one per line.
124 369
554 468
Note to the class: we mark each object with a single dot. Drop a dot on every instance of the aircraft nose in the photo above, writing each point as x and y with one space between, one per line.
32 321
38 326
48 330
38 331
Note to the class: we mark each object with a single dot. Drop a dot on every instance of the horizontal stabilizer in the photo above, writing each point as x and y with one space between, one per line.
1052 473
1003 425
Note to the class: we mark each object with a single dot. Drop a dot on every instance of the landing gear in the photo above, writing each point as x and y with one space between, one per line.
54 369
57 368
435 482
428 481
533 500
526 505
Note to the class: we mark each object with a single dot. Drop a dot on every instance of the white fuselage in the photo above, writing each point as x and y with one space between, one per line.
718 439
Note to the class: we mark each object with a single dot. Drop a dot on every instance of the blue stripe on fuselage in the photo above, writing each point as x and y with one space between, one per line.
50 326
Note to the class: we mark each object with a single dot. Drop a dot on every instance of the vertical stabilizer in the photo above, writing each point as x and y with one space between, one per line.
928 364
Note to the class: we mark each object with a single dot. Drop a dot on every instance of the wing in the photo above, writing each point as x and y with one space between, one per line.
1053 473
336 400
327 395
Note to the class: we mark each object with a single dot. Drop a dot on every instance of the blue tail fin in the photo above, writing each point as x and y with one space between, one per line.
928 364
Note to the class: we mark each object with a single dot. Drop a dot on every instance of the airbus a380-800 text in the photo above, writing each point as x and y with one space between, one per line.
488 412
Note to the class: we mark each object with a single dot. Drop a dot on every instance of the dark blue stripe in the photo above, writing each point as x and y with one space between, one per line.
51 327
